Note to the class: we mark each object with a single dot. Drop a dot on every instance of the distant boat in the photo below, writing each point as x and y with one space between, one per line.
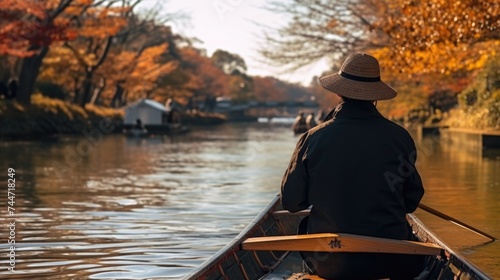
151 130
136 132
299 125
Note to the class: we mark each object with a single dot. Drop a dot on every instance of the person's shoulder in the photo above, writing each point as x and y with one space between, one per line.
398 128
319 128
392 123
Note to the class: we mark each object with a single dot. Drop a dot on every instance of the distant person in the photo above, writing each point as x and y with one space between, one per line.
311 121
12 89
299 125
321 116
138 124
357 173
4 91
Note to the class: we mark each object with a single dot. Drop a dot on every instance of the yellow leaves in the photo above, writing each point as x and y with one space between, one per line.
56 106
136 73
59 60
144 78
437 35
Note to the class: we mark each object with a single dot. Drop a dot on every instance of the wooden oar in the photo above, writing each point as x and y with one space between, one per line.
451 219
340 242
421 206
287 213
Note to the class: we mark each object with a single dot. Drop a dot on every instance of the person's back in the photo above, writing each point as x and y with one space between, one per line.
353 166
357 171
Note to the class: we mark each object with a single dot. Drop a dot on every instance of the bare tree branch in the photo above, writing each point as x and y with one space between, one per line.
320 29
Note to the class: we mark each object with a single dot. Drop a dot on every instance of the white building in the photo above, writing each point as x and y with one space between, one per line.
148 111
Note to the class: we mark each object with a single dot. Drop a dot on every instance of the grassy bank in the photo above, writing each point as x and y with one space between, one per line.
48 116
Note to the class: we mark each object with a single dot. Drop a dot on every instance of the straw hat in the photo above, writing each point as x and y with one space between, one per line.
358 78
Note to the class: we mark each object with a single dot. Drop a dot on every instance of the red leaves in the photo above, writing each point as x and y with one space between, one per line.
19 23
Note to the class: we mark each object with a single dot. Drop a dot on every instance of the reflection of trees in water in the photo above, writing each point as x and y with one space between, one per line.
21 156
471 167
462 183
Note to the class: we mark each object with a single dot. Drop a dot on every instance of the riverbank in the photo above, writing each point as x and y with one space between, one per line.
47 117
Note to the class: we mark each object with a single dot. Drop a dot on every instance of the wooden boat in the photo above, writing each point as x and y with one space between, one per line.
150 130
233 263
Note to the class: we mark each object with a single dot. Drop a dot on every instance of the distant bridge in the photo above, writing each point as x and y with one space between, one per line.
265 109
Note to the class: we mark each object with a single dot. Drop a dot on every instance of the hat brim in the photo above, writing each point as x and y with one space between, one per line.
357 89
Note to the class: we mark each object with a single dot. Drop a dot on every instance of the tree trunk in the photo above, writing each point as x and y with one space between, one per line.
96 96
87 88
117 100
30 69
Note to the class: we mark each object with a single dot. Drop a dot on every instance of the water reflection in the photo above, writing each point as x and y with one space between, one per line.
464 184
158 207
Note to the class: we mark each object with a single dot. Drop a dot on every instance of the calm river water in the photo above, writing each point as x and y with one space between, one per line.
158 207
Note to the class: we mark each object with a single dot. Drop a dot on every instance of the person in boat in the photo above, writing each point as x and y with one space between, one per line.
310 121
357 173
321 116
299 124
138 124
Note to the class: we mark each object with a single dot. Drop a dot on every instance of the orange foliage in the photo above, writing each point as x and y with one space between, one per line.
439 35
27 23
204 77
139 73
18 24
266 90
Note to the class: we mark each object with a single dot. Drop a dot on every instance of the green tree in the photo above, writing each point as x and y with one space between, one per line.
228 62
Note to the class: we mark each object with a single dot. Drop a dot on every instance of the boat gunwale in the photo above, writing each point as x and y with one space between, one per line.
424 233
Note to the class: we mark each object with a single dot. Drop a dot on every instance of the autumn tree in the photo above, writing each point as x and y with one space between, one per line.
18 24
439 35
134 75
266 89
200 77
143 54
413 36
99 27
36 25
59 60
118 56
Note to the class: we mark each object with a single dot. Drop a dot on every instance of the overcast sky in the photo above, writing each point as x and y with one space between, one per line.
230 25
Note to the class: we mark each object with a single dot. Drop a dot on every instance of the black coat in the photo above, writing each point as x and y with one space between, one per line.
358 173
